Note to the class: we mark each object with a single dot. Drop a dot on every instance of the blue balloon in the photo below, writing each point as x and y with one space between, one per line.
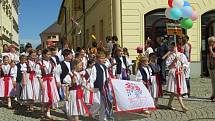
186 3
187 11
175 13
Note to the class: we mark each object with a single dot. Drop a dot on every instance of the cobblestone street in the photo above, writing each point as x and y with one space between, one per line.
200 109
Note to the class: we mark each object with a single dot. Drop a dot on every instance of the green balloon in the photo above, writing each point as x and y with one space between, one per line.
186 23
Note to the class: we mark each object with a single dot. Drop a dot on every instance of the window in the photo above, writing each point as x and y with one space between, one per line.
101 30
78 4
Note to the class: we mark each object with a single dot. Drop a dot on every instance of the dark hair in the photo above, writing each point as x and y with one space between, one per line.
4 57
32 51
5 45
94 44
77 54
152 54
172 44
115 38
28 45
66 52
89 62
45 51
78 49
53 49
187 37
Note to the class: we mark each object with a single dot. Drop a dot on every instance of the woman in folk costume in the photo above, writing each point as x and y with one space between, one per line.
176 62
26 92
88 94
7 80
74 93
155 78
109 64
31 74
45 71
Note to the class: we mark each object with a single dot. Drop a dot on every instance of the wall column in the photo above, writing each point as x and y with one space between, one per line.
117 20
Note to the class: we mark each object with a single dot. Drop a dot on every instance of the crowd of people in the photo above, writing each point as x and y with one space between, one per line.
81 77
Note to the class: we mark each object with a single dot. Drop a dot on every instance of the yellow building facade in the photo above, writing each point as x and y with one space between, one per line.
134 20
9 30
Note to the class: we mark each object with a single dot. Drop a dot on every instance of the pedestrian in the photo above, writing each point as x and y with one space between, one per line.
88 93
155 78
7 80
144 73
211 64
13 54
74 93
26 92
45 72
31 75
148 47
121 69
176 84
99 78
55 58
161 52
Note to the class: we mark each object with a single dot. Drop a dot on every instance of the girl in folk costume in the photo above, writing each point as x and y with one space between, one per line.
109 64
144 74
88 94
122 65
176 62
26 84
74 93
45 71
7 80
31 74
155 78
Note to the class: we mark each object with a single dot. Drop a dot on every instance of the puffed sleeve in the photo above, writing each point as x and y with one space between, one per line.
139 76
93 76
114 68
169 60
58 73
13 73
38 71
67 79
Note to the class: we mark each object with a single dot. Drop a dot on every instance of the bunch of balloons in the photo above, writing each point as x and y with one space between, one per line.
181 10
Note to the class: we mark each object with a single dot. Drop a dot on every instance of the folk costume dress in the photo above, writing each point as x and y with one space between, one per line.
144 74
88 95
76 105
27 86
31 77
46 71
155 80
176 79
8 75
121 69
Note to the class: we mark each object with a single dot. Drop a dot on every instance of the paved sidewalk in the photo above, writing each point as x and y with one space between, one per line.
200 109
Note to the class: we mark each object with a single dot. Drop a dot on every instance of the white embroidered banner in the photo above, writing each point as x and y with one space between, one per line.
131 96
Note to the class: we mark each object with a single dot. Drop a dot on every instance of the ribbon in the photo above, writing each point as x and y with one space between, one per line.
178 76
49 78
32 75
6 79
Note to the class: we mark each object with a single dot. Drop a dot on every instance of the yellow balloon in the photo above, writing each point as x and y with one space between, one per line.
193 8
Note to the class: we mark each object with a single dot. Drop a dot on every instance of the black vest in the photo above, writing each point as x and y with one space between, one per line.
99 83
143 73
119 64
19 73
57 60
65 70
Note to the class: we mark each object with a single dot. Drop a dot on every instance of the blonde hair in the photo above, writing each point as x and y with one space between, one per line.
211 40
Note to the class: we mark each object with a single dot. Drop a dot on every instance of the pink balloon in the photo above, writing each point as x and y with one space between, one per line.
194 16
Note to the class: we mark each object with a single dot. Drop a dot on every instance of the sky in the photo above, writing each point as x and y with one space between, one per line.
34 17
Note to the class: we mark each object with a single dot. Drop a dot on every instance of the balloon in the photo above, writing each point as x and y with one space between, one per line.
178 3
167 12
187 11
186 3
170 3
175 13
186 23
194 16
193 8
